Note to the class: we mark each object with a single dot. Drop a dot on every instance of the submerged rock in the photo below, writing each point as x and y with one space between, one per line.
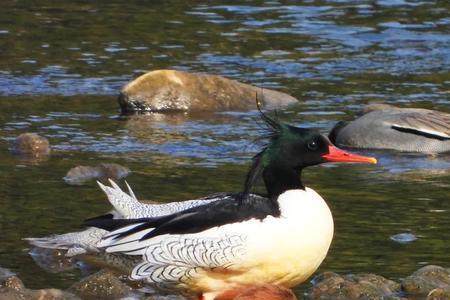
31 145
403 238
51 260
80 174
12 288
7 293
170 90
425 280
101 285
330 285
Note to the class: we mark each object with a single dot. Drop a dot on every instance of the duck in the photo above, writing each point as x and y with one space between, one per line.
125 206
244 240
384 126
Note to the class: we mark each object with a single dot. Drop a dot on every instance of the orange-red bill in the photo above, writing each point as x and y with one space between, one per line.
338 155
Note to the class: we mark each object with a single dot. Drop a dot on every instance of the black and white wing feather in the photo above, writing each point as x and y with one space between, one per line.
178 259
432 124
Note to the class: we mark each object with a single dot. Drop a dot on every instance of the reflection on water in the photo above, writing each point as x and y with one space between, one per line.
62 65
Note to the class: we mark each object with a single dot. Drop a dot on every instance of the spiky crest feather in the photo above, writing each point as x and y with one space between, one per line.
274 131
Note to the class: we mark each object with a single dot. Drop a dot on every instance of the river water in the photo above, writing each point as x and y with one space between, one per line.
62 64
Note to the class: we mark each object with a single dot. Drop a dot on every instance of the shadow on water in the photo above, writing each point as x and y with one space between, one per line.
62 65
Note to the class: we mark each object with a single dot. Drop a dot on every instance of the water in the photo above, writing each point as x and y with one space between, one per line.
62 65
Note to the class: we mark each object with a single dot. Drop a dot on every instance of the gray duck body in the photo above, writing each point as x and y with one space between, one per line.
402 129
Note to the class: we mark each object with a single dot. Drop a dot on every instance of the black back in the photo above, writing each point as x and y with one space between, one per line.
196 219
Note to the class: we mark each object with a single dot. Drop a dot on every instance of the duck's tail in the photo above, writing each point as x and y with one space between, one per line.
125 204
74 242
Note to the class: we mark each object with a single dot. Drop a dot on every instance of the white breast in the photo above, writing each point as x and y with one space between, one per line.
293 245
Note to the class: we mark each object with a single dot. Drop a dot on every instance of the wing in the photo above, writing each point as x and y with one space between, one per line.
132 236
177 247
431 124
178 259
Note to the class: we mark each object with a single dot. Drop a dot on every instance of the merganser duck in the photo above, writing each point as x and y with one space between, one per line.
385 126
126 206
244 240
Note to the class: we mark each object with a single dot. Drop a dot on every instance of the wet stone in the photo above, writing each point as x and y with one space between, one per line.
51 260
12 288
14 282
403 238
101 285
439 294
32 145
9 293
81 174
170 90
330 285
427 279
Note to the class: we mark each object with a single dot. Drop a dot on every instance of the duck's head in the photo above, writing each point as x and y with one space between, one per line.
289 150
296 148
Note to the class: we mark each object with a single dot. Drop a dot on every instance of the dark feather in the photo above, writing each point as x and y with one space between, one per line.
112 224
274 125
195 219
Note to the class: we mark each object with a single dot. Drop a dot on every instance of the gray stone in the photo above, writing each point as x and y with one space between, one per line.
330 285
426 279
403 238
101 285
80 174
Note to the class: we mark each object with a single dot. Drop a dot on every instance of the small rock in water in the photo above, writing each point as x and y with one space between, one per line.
80 174
12 288
330 285
404 238
113 171
14 282
101 285
32 145
426 279
51 260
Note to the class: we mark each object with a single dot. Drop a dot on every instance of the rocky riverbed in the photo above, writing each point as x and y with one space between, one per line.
430 282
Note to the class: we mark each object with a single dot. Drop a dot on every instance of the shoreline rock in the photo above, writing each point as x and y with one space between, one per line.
428 283
175 91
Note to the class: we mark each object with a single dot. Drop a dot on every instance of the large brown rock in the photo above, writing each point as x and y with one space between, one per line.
170 90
